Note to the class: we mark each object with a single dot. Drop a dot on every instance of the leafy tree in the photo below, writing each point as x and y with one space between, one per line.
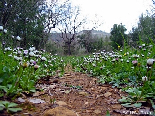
134 37
21 18
92 43
145 30
118 35
86 40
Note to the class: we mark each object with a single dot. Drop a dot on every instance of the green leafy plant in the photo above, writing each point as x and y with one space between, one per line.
9 106
107 114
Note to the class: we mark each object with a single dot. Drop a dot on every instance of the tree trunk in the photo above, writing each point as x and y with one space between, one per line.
69 49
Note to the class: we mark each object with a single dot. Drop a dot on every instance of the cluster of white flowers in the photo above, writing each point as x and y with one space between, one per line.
8 49
32 49
34 52
5 31
18 58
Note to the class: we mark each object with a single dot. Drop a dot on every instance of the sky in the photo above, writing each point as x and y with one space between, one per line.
110 12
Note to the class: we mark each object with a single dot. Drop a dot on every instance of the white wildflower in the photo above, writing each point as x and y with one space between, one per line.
13 36
150 46
45 65
43 58
32 49
94 65
10 55
20 58
144 78
150 62
8 49
113 60
31 61
143 45
31 54
5 31
1 28
127 61
16 57
135 56
18 38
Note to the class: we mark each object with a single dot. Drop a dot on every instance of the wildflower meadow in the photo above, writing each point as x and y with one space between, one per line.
129 69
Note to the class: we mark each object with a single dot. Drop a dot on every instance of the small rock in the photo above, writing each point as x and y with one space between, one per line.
97 111
36 94
103 88
67 74
52 86
21 100
83 93
36 101
59 111
92 89
61 103
67 91
107 94
99 96
116 106
86 103
88 111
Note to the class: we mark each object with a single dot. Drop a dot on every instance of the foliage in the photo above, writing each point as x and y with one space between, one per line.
107 114
92 43
9 106
22 18
118 36
144 31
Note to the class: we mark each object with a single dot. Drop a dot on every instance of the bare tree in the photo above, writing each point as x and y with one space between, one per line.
70 24
53 11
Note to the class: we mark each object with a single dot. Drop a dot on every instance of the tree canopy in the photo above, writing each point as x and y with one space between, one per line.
118 35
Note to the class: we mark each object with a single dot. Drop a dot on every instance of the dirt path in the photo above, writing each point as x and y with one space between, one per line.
75 94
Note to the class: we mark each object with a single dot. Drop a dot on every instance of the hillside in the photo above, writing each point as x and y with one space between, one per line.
95 33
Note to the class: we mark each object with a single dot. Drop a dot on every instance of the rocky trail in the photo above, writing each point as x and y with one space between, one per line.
74 94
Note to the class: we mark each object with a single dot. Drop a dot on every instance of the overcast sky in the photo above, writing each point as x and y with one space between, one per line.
111 12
